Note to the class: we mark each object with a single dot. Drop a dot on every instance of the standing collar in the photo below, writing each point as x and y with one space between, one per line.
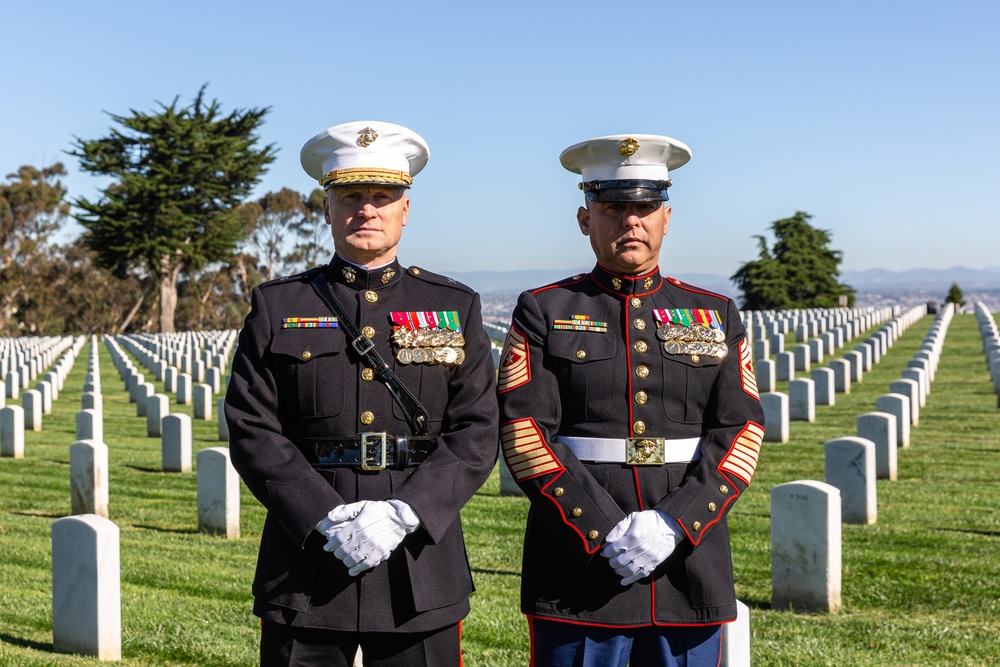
624 285
361 278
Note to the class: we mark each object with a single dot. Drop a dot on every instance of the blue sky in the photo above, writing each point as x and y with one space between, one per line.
878 118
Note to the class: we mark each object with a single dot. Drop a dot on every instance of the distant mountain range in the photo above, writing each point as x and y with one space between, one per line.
869 280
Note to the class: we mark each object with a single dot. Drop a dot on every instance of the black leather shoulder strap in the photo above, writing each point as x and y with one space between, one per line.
416 414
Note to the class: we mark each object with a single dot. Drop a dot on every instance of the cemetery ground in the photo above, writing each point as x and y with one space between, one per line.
920 587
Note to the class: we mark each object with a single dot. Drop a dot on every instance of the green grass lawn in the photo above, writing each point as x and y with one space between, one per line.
920 587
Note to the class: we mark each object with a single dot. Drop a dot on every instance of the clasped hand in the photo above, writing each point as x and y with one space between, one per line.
363 534
639 543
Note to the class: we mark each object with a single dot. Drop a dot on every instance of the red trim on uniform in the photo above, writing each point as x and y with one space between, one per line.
563 514
730 499
531 641
628 363
561 283
691 288
719 663
461 663
635 625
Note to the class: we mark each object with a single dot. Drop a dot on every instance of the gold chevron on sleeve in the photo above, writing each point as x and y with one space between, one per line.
515 367
741 460
747 377
525 451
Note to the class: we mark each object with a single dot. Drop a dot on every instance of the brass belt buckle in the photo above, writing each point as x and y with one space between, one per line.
373 451
644 451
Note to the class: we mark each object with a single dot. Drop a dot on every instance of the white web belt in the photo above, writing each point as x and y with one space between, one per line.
634 451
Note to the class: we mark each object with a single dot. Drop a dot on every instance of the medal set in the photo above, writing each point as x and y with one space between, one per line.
428 337
691 331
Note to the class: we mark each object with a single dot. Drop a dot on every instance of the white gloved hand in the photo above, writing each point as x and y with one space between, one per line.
374 529
639 543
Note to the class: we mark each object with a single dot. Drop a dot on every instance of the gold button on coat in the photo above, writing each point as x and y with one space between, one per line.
367 374
367 417
369 331
639 427
711 507
696 525
592 535
636 302
641 397
642 371
581 354
415 271
695 358
577 512
558 491
639 324
723 489
307 355
641 346
371 297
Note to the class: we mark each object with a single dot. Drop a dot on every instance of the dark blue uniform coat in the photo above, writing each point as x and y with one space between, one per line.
288 384
622 383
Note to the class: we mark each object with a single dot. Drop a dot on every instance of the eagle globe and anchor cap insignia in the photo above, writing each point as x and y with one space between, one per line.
628 146
366 137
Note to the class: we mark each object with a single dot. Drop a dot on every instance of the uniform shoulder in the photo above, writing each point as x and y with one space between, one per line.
294 278
688 287
437 279
565 282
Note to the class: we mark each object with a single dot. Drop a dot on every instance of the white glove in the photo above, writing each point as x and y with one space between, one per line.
373 530
639 543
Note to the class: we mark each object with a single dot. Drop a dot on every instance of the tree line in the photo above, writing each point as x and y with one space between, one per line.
173 242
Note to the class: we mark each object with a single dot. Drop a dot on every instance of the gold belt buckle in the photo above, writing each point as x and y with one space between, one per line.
644 451
373 451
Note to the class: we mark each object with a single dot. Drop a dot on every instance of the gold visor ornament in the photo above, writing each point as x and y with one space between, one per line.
367 137
628 147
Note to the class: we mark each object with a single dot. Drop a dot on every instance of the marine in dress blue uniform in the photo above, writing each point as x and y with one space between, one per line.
631 419
362 544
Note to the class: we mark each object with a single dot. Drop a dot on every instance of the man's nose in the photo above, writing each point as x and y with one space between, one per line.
368 210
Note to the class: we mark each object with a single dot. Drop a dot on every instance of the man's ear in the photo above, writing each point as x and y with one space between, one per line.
583 219
666 219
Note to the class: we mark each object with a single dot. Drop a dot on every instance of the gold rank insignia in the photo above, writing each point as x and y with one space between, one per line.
628 146
367 137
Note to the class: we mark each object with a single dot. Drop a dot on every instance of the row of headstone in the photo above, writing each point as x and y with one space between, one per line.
35 403
218 483
766 329
821 388
23 359
991 345
806 515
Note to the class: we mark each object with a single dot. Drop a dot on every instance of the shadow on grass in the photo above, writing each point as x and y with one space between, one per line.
144 469
987 533
507 573
26 643
161 529
46 515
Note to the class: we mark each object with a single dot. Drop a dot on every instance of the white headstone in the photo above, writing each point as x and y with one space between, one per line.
45 389
825 387
856 360
736 639
221 419
157 407
785 368
13 384
816 348
86 587
88 478
850 466
919 376
32 401
202 402
764 370
880 429
218 493
761 349
911 390
508 487
898 406
806 548
184 395
802 400
801 353
12 431
89 425
176 443
92 401
142 393
841 375
775 406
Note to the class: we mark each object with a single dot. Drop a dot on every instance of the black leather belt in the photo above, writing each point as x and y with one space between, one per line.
371 451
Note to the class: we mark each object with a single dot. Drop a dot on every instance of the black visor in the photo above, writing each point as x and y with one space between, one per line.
638 190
